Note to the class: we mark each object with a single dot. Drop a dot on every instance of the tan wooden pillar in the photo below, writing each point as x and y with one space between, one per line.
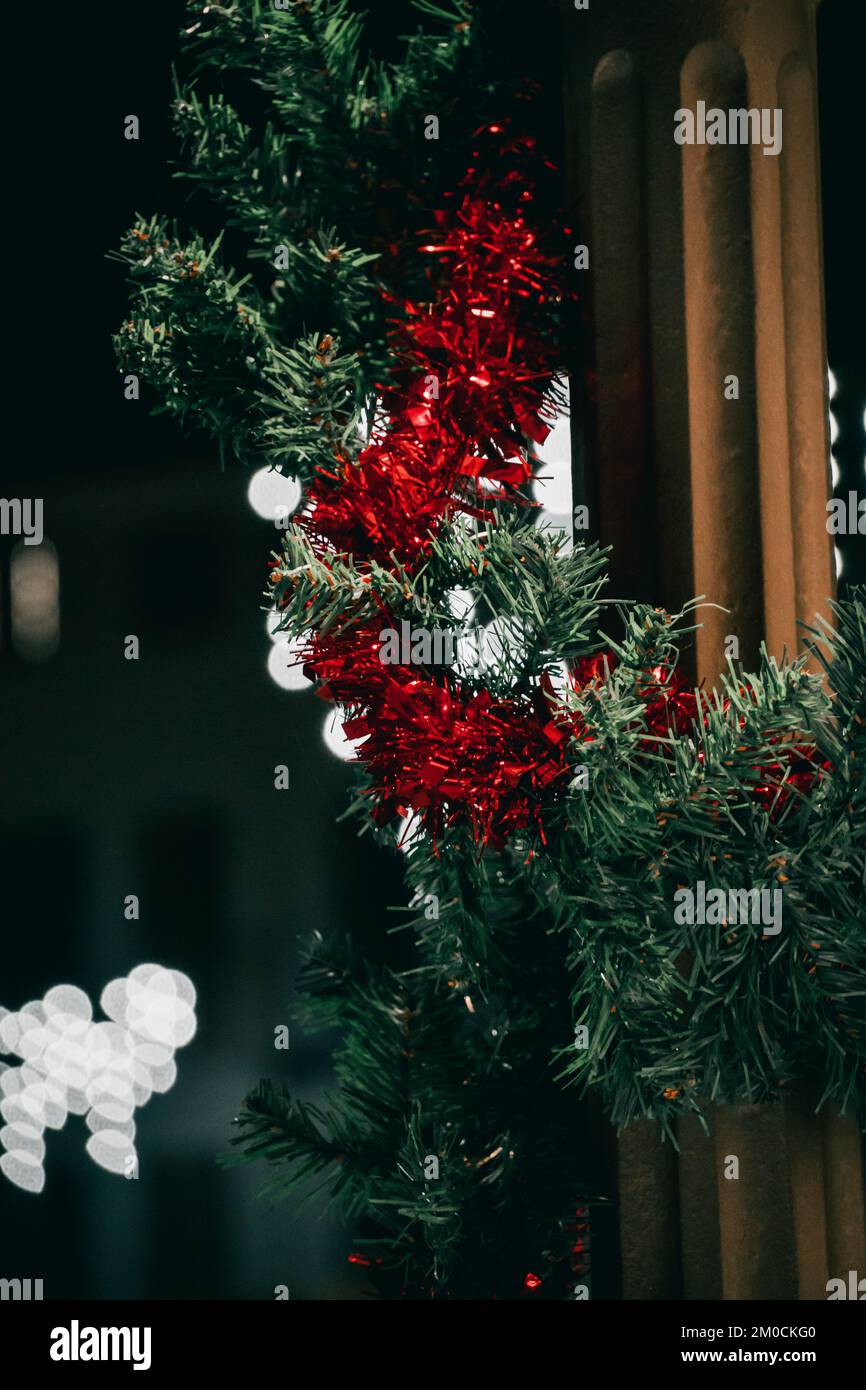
706 264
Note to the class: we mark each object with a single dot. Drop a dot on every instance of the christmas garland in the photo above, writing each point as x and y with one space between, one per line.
471 381
424 505
567 792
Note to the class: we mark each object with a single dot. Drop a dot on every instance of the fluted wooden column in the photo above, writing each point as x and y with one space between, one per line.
720 313
706 263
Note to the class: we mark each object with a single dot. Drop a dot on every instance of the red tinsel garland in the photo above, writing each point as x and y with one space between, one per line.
459 446
472 369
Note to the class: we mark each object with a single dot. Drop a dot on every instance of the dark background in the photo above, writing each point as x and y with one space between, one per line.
156 777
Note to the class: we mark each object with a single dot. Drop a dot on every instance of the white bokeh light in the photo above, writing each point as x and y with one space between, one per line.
104 1070
34 600
832 388
560 680
371 418
335 739
552 488
273 495
284 665
461 606
272 624
502 644
461 603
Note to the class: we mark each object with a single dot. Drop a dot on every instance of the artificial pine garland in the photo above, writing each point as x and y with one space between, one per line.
565 793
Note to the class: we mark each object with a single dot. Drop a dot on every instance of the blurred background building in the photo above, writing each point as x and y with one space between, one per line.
156 778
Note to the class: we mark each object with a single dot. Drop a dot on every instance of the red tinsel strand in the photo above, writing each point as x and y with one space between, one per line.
433 748
470 382
471 374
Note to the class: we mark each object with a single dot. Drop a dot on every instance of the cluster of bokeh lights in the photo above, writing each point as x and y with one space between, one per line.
105 1071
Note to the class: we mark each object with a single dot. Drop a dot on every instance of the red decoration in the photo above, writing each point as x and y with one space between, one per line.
483 338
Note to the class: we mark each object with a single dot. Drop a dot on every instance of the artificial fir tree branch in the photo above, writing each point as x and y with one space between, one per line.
197 334
424 1076
746 1017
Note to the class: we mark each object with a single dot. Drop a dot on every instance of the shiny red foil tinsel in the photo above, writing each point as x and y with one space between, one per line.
469 386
